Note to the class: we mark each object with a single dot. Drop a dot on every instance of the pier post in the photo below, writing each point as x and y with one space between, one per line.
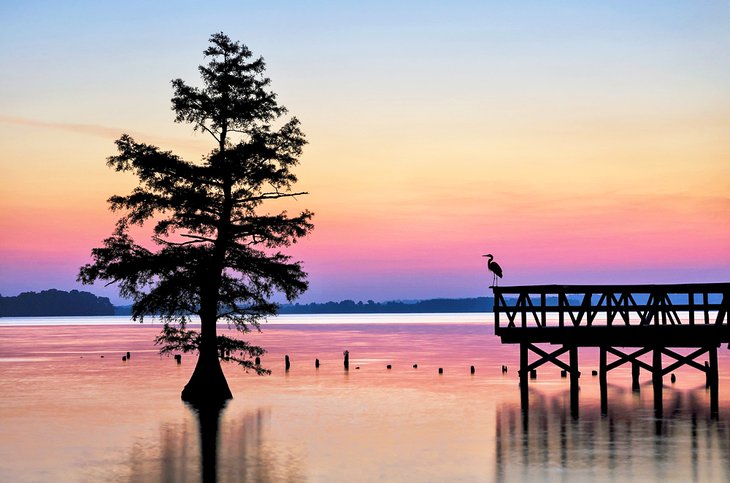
656 377
603 379
523 376
635 368
574 375
714 383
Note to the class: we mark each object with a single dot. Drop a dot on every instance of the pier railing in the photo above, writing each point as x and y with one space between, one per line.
564 306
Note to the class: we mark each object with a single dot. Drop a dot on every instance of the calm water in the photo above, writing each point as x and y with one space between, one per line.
69 414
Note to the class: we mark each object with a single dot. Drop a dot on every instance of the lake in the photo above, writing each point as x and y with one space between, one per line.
72 410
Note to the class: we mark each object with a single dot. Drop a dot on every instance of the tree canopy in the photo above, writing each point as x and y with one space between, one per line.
217 250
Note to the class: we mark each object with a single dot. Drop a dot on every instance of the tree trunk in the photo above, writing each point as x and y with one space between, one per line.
208 384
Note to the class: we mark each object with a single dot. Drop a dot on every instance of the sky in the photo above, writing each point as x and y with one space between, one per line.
578 142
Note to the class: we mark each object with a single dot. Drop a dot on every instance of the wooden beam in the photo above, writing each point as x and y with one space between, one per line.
624 358
677 288
682 360
548 357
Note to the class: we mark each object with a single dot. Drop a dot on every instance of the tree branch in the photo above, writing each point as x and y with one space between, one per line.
174 244
269 196
198 237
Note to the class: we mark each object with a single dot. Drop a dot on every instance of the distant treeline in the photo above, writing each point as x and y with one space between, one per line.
478 304
54 303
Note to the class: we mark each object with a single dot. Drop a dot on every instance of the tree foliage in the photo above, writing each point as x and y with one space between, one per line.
217 250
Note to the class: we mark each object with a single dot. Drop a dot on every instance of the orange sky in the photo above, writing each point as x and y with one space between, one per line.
580 143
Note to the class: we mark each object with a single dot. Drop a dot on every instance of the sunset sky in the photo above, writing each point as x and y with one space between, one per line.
579 142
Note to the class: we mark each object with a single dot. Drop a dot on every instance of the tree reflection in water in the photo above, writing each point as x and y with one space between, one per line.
687 444
212 446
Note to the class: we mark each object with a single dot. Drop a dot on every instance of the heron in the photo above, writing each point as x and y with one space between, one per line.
494 268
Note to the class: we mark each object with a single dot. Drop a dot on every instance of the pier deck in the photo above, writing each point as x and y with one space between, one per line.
649 318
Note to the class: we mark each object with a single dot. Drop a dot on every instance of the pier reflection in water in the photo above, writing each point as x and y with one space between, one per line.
627 444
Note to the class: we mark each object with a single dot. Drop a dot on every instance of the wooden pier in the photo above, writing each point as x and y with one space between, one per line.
646 319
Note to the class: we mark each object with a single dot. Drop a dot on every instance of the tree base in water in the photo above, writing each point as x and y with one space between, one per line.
207 385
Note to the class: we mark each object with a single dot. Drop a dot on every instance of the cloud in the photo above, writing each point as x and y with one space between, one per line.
107 132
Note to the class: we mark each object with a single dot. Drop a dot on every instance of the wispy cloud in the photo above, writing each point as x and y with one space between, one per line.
107 132
89 129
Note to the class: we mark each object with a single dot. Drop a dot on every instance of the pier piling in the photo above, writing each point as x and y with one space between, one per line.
656 378
635 368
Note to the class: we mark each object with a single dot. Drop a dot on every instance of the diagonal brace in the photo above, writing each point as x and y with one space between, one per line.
624 358
548 357
682 360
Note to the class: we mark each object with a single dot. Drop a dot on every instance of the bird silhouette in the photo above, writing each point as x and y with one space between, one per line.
494 268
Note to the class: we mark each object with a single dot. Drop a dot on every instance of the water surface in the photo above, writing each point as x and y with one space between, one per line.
69 414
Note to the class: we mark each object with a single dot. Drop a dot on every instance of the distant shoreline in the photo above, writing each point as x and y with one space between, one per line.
58 303
429 306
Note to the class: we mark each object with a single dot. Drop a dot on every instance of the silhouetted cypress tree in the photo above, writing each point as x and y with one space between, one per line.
217 249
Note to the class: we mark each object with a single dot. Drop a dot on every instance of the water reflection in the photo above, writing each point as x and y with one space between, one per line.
688 443
212 447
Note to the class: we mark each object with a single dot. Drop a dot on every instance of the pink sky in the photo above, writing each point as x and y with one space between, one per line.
582 144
